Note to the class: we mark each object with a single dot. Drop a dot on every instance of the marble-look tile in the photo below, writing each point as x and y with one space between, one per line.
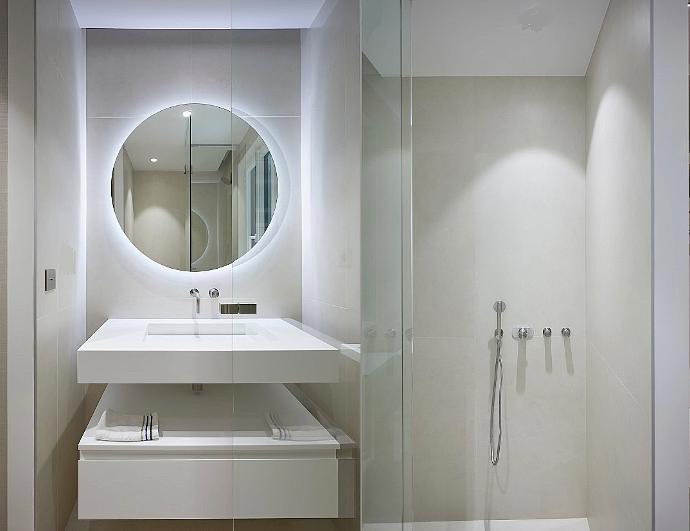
443 401
266 72
619 452
618 197
619 272
330 89
498 179
47 330
137 72
60 244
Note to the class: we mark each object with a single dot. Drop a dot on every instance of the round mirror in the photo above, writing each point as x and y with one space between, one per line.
194 187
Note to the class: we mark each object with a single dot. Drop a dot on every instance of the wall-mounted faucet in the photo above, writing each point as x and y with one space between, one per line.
523 332
195 293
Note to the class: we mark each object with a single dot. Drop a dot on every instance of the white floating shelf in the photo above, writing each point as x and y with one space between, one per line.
205 351
215 459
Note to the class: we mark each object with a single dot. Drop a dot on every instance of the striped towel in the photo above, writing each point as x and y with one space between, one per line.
114 426
281 432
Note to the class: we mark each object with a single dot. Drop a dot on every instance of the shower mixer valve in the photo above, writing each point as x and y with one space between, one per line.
523 332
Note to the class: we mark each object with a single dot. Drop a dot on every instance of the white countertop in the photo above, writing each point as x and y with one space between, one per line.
205 351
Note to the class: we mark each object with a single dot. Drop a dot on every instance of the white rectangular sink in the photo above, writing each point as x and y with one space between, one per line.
206 351
195 328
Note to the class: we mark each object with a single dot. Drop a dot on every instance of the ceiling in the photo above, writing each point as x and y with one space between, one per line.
196 14
504 37
449 37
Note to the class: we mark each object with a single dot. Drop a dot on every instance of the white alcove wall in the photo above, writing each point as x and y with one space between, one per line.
132 74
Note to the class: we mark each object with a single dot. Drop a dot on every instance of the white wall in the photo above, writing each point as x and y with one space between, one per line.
3 263
20 277
671 306
331 138
331 170
619 272
60 244
499 213
133 74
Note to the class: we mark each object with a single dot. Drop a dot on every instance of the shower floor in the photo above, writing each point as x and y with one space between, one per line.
547 524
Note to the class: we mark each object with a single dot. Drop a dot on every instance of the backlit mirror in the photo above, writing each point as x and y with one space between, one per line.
194 187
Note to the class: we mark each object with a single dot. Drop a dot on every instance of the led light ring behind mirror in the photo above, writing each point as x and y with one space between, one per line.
234 164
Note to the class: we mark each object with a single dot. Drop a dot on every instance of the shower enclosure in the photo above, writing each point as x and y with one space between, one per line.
508 334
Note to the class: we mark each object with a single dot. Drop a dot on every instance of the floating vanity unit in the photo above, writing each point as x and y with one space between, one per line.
218 456
205 351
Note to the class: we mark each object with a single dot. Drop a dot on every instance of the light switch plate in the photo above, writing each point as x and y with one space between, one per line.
51 279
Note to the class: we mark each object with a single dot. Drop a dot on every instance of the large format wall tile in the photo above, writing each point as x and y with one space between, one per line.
60 245
499 213
619 272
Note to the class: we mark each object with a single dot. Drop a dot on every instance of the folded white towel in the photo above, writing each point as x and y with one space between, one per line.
295 433
114 426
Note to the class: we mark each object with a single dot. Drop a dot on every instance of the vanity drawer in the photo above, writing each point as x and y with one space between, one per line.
208 488
216 458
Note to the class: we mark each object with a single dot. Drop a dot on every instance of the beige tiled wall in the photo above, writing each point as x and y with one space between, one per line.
60 244
619 272
499 213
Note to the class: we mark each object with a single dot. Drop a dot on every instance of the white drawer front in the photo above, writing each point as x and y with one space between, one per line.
208 488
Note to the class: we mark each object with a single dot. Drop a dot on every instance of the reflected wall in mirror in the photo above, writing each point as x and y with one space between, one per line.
194 187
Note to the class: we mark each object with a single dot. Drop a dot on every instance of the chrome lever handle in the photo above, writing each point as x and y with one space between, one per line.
195 293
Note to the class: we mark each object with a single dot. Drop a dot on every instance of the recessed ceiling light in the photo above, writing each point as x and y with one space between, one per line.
186 114
153 159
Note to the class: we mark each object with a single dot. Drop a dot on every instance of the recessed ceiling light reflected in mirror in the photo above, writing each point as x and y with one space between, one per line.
153 159
187 114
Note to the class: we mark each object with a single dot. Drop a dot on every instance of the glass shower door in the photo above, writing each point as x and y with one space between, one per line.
386 293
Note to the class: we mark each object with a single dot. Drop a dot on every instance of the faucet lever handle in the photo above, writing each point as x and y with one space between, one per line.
195 293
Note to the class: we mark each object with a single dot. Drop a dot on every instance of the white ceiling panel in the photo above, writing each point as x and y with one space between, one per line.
196 14
504 37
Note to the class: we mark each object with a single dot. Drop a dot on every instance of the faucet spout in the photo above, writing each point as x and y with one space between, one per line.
195 293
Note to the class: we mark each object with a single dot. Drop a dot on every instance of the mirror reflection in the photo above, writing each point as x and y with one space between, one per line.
194 187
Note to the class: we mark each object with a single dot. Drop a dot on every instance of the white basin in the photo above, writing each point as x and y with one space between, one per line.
192 328
206 351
